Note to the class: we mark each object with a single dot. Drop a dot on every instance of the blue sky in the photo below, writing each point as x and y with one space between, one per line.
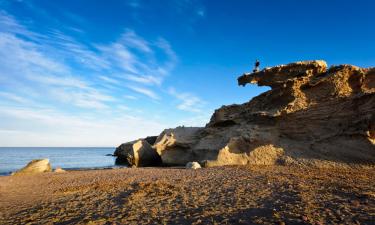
99 73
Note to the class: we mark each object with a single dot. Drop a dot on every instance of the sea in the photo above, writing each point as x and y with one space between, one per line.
14 158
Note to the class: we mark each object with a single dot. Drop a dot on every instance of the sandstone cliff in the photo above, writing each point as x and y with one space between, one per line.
312 116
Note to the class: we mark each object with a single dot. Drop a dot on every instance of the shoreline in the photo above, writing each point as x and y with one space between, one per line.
77 169
234 194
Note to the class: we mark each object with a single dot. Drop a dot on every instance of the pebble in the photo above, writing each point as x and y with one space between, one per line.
355 203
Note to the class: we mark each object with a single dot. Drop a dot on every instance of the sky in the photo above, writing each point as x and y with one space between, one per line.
100 73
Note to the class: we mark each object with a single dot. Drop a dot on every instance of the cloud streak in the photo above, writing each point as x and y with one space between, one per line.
187 101
144 91
53 80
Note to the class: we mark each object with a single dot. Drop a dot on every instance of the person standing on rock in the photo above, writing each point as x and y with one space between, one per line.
257 64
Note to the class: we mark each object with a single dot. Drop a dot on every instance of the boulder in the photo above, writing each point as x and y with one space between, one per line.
59 170
175 145
193 165
34 167
137 153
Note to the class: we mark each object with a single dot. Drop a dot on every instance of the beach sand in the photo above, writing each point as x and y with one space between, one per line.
223 195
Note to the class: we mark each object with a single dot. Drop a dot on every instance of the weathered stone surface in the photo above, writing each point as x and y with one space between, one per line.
175 145
279 75
240 151
137 153
313 115
34 167
193 165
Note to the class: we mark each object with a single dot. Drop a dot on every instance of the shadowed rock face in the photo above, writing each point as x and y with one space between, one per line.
311 116
138 153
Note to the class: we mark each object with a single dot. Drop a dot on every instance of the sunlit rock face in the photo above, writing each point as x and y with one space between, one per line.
313 115
34 167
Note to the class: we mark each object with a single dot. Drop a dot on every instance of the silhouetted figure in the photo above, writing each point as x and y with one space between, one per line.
256 68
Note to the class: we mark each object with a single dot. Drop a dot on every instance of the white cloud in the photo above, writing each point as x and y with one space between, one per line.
46 127
144 91
81 87
130 97
14 97
188 101
148 80
109 80
131 39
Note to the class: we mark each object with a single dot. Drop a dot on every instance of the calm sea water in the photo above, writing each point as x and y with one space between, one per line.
12 159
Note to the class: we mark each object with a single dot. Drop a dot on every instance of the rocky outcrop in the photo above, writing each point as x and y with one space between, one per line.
138 153
34 167
313 115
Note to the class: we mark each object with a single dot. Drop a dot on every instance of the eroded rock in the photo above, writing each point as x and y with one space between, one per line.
175 145
34 167
313 115
137 153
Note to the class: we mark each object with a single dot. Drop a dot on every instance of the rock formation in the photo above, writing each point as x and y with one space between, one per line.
138 153
313 115
35 166
175 146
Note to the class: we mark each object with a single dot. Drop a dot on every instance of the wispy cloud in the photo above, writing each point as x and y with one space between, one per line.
187 101
14 97
130 97
54 80
131 39
109 80
47 61
144 91
148 80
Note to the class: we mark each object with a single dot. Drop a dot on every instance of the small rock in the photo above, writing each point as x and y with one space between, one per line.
355 203
193 165
59 170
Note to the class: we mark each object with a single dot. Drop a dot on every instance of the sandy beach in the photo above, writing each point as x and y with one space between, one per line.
223 195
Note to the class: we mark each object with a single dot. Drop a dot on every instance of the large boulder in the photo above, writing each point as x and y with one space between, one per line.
175 145
34 167
137 153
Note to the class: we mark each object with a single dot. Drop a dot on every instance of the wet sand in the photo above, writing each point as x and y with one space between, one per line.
225 195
